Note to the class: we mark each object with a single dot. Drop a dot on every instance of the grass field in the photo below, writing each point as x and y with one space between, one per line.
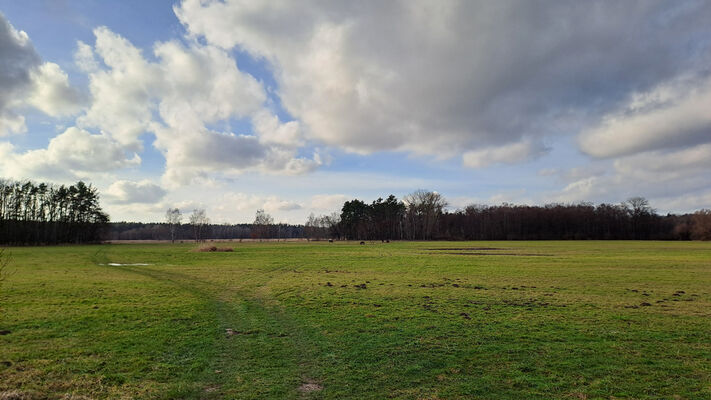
437 320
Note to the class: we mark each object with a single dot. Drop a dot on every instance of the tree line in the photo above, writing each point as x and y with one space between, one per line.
45 213
423 215
198 228
187 232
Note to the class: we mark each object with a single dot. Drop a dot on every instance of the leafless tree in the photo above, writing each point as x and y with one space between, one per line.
262 224
198 219
321 226
701 225
423 210
173 218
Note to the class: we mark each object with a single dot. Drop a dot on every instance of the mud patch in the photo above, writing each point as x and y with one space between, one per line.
214 249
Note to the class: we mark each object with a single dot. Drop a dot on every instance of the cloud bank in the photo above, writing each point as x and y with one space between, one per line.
486 80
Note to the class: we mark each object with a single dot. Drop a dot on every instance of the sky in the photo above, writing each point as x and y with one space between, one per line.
297 106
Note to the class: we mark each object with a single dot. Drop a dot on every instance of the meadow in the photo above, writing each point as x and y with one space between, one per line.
401 320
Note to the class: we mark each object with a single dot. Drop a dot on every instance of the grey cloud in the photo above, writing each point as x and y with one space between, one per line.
17 58
129 192
25 80
659 175
218 150
446 77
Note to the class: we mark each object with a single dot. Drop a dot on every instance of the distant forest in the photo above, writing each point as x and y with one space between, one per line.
186 231
423 215
49 214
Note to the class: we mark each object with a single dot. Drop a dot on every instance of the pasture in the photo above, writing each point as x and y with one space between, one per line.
406 320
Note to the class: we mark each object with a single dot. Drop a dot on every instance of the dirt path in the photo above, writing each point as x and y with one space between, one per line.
257 342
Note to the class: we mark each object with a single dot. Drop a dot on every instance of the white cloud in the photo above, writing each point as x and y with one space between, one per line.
236 206
75 153
51 92
271 130
328 202
84 57
129 192
203 83
275 204
121 96
188 88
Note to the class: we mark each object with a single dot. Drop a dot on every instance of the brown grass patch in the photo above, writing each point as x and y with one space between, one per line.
14 395
310 387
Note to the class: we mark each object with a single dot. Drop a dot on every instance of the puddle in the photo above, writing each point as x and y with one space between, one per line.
125 265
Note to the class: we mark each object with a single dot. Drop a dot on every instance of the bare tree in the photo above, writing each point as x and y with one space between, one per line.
311 227
639 206
262 224
640 212
701 225
322 226
173 218
198 219
423 210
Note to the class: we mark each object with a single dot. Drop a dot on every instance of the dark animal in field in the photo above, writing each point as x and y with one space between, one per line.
330 240
362 242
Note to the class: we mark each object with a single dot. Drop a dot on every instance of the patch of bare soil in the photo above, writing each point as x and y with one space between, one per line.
14 395
231 332
308 387
213 249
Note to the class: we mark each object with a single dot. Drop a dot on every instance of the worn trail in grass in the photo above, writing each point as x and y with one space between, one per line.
253 331
486 320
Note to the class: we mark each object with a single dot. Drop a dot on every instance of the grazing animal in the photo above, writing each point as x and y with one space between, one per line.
362 242
330 240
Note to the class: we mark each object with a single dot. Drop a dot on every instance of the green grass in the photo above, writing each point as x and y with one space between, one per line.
531 320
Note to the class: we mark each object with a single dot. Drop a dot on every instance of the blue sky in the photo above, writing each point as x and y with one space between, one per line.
295 108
